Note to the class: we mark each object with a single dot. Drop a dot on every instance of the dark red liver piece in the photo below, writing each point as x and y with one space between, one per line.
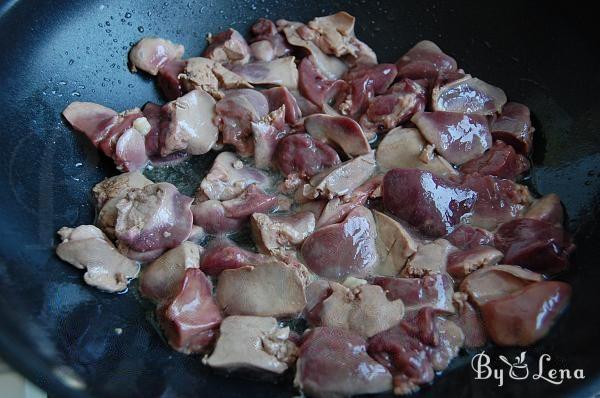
467 237
168 79
429 203
222 254
191 318
501 161
333 362
301 154
513 126
534 244
525 316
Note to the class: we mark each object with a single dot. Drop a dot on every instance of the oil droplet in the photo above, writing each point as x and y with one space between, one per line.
141 29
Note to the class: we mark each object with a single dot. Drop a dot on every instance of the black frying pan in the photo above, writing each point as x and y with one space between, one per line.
61 333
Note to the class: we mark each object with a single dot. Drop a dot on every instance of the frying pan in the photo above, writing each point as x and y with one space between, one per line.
75 341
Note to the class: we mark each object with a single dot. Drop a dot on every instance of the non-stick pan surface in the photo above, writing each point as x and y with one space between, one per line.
76 341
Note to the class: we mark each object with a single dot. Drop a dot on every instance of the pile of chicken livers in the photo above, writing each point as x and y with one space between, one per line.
382 199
